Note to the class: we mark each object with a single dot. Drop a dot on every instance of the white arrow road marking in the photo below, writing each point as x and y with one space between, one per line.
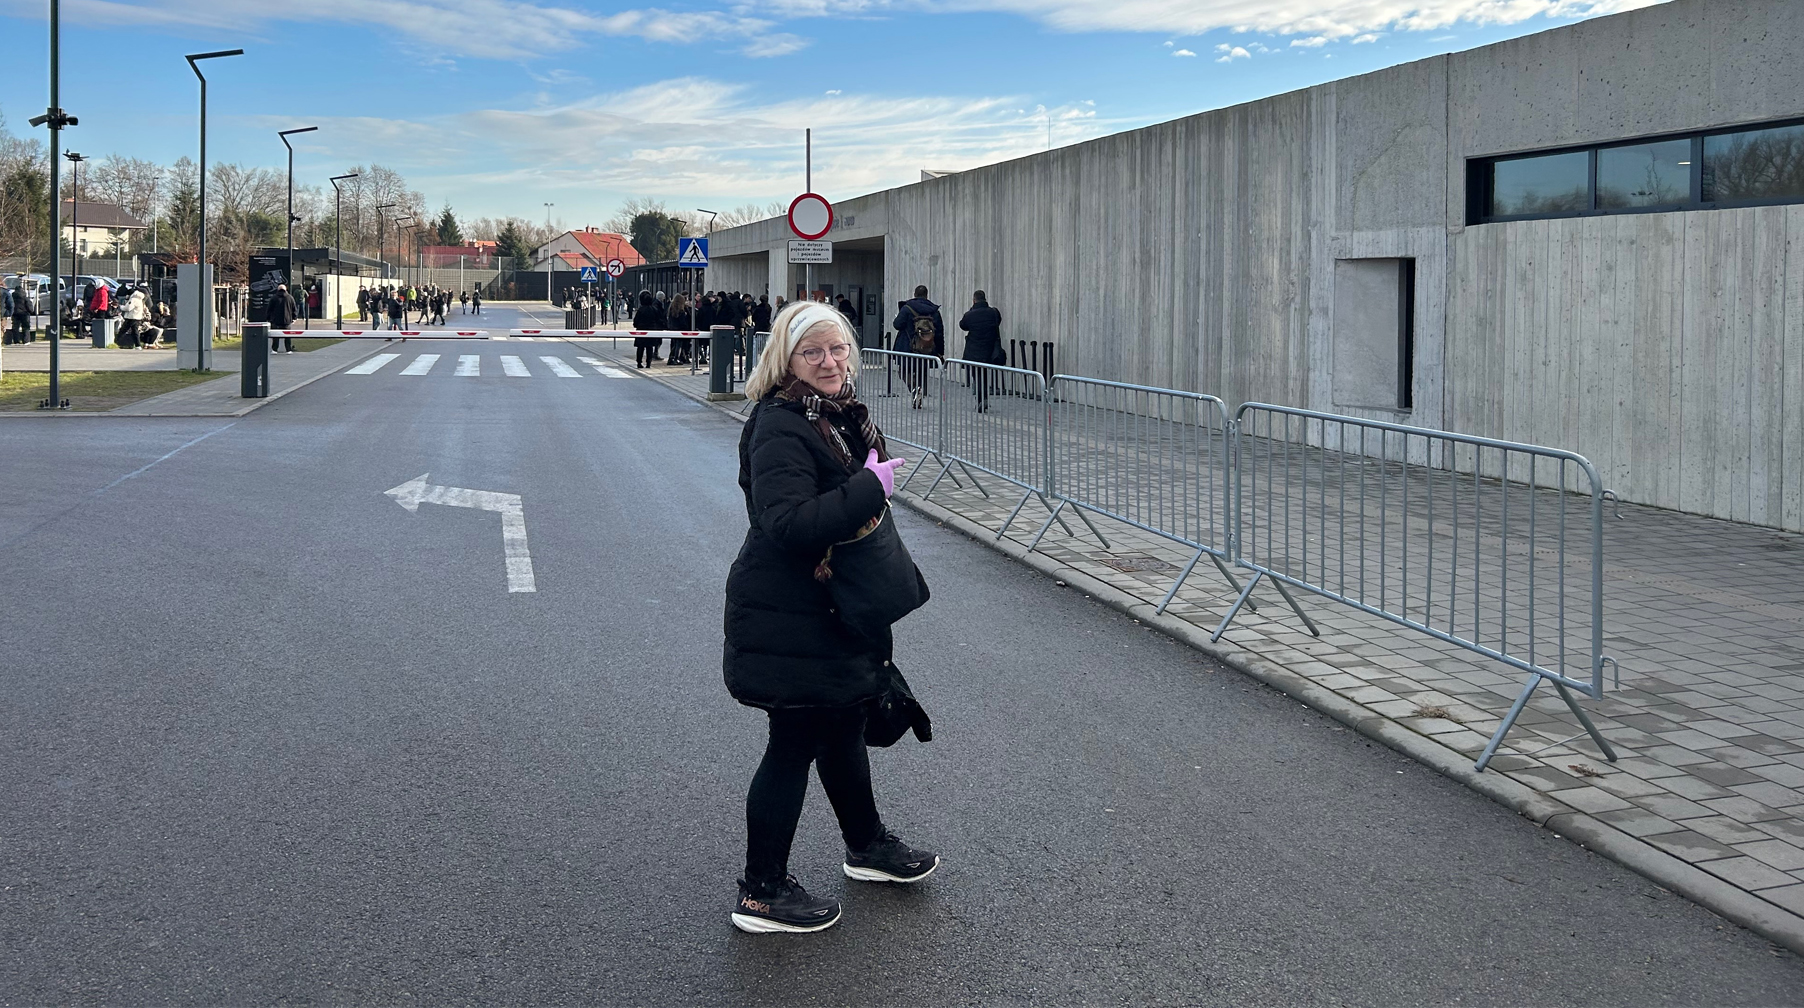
514 367
469 365
421 364
560 368
414 492
606 371
373 365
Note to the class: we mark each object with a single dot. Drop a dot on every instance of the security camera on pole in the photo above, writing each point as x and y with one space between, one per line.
810 218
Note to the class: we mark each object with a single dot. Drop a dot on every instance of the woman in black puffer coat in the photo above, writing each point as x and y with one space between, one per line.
649 318
787 651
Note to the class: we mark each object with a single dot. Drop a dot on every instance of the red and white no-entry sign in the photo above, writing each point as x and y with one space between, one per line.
811 216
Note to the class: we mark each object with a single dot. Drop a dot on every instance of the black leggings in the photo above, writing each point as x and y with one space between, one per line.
832 738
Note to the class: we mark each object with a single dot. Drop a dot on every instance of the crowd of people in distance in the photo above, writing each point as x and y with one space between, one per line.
424 304
656 313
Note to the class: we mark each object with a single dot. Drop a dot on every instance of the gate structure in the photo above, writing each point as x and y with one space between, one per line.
1494 546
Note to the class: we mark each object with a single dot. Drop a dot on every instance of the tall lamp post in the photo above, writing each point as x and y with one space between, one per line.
380 219
206 296
711 215
338 306
75 161
56 119
400 246
550 258
287 277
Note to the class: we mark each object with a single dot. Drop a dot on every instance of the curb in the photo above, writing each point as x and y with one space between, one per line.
1768 920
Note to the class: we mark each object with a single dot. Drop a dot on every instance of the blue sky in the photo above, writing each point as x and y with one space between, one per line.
498 106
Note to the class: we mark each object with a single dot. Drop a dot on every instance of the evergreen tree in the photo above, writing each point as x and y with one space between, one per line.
448 231
512 243
655 235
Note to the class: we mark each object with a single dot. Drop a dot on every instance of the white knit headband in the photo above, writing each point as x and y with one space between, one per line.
812 314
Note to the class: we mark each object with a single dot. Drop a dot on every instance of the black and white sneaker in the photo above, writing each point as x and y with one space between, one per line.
888 859
782 907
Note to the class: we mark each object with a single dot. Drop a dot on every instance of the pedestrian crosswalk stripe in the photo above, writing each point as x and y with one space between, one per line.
514 367
609 372
560 368
372 365
421 364
469 365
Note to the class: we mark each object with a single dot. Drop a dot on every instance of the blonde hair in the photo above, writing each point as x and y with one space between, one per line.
785 332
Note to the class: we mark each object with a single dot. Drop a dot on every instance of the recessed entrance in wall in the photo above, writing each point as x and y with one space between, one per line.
1374 333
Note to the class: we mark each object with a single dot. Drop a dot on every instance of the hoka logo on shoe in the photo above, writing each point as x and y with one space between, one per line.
755 906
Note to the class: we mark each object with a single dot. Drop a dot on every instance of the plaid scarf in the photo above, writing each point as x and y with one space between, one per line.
844 405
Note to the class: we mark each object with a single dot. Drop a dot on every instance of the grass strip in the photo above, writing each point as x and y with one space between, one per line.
93 391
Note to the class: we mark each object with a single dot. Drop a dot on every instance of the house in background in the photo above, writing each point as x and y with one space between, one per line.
98 229
587 247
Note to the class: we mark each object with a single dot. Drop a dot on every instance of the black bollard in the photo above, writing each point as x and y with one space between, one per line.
253 372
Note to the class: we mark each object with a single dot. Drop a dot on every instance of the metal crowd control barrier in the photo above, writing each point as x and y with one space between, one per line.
1156 459
999 425
904 393
1466 539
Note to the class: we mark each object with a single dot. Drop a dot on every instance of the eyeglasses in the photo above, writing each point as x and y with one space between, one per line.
816 355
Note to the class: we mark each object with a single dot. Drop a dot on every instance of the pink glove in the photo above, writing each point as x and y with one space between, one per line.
886 471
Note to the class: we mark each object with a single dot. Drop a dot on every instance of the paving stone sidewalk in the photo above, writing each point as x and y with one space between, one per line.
1705 617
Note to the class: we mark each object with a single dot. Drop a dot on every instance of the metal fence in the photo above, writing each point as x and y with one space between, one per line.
1493 546
1155 459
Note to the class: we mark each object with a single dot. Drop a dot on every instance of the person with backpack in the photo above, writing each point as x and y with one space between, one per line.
919 330
983 345
476 301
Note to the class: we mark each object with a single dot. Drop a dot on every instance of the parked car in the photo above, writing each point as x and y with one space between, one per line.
36 286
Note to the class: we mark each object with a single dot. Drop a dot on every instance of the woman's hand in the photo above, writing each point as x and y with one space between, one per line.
886 471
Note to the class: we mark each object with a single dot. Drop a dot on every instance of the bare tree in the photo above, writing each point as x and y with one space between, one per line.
749 213
24 199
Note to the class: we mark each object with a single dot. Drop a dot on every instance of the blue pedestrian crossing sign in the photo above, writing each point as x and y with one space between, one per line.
589 274
692 253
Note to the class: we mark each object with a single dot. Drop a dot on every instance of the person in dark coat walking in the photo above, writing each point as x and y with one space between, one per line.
815 472
919 330
983 345
649 318
281 316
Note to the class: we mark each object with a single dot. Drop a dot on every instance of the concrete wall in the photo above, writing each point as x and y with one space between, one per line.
1201 253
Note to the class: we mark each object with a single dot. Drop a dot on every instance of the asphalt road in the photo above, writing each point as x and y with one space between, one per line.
269 736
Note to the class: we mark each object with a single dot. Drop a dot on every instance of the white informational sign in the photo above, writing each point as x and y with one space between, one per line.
810 252
810 216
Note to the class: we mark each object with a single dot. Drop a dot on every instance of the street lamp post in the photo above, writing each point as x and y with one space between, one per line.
206 299
399 246
711 215
56 119
380 219
287 276
75 161
338 307
548 259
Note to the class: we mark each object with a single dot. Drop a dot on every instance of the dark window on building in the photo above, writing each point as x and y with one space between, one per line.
1763 164
1556 183
1698 171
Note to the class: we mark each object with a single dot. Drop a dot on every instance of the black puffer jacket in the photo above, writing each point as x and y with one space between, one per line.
785 646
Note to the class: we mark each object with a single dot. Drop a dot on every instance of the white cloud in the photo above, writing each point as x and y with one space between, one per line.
1230 53
1367 37
498 29
1332 19
1168 43
1312 42
621 143
1182 52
